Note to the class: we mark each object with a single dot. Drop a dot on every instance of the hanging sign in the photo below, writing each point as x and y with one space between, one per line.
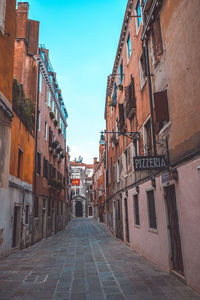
75 181
142 163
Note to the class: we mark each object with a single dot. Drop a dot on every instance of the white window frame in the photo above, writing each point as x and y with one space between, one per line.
143 78
49 100
145 135
136 19
129 53
40 82
2 15
45 130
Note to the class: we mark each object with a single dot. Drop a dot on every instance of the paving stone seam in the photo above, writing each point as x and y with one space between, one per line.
93 256
109 267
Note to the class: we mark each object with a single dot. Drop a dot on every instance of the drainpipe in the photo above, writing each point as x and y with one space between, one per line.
36 143
150 88
150 95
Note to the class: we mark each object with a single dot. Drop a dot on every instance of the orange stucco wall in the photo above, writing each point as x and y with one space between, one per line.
7 51
23 139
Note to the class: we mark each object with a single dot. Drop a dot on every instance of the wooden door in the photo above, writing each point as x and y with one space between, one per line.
173 226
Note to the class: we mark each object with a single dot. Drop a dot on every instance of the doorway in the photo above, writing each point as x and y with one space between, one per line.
126 220
79 209
173 226
16 227
90 211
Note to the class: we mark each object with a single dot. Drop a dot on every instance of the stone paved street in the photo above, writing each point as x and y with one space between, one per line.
85 262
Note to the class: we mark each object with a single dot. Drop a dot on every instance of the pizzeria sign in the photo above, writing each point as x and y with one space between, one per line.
142 163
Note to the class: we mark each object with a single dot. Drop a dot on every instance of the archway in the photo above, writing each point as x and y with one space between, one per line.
79 209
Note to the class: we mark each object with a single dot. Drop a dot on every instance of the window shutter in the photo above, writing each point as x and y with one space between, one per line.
132 89
43 166
157 38
121 114
161 106
144 68
126 93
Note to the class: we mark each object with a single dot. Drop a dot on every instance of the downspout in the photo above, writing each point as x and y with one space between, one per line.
150 88
36 143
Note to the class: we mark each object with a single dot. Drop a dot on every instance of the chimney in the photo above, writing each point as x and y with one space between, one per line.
95 160
21 20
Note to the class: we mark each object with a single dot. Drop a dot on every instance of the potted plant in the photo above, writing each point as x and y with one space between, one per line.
55 122
55 144
59 130
50 149
52 116
120 87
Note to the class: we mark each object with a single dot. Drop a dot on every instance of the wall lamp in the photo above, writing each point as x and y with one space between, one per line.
175 174
133 135
153 181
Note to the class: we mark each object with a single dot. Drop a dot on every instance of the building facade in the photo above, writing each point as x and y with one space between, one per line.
81 180
152 156
7 37
50 197
23 127
99 185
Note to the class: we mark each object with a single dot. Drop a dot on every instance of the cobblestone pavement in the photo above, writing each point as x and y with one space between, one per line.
85 261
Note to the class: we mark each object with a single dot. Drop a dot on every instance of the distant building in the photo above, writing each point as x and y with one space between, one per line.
81 180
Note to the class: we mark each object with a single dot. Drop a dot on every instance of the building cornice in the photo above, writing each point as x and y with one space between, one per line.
45 73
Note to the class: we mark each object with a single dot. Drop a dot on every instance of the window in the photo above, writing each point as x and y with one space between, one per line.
128 45
45 168
2 14
121 72
52 105
56 114
118 171
157 42
57 208
50 136
40 82
38 163
126 161
61 208
151 209
142 68
49 100
136 210
45 130
27 214
49 207
39 120
36 207
161 110
20 162
147 138
114 96
44 203
138 13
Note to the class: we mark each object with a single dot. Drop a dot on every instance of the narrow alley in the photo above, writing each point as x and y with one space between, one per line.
85 261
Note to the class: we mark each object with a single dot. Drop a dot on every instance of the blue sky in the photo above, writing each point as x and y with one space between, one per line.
82 37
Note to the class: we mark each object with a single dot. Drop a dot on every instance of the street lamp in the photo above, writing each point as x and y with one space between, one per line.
133 135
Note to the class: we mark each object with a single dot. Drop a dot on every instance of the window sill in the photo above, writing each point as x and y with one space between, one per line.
137 226
153 230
